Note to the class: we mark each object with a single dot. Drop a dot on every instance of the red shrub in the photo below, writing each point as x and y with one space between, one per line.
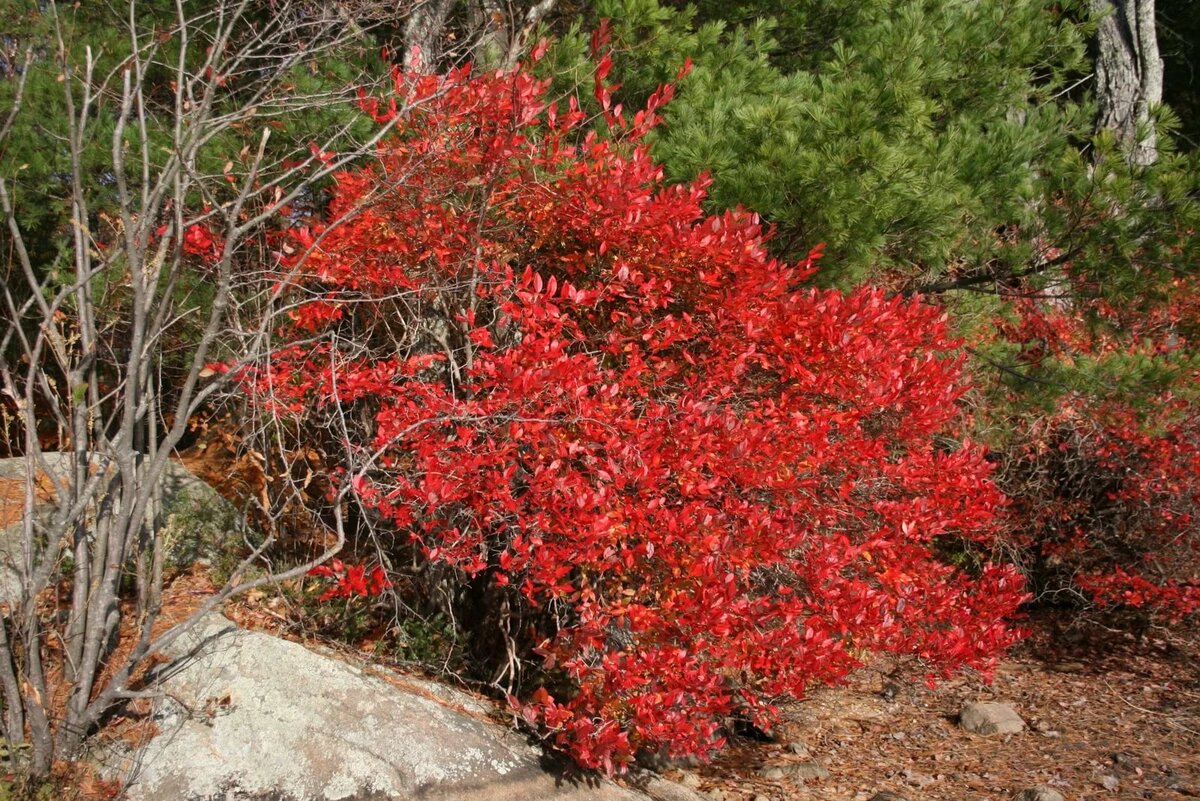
708 485
1106 501
1105 487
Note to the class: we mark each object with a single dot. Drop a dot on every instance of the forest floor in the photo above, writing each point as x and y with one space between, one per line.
1108 716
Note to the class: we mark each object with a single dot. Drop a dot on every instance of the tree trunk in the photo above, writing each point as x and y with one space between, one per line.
496 33
491 27
424 27
1129 74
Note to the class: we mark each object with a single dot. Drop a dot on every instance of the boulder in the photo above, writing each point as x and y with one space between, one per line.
989 717
245 715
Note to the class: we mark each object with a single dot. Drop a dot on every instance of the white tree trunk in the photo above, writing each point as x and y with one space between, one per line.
496 32
422 32
1129 74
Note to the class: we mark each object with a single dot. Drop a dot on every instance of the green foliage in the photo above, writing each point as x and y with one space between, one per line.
390 624
928 144
86 51
425 640
37 157
203 527
901 134
16 790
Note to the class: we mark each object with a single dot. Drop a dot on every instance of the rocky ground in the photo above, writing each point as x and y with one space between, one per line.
1107 717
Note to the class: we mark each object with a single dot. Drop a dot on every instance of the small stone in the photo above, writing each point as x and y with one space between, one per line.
918 779
1039 793
771 773
1110 782
989 717
761 797
803 771
716 794
661 789
884 795
799 749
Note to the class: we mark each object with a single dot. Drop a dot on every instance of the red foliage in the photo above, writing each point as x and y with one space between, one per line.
715 485
1110 499
347 581
1106 487
198 241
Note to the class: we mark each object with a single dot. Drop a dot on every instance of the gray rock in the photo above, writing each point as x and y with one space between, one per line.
772 773
12 553
918 779
989 717
248 715
884 795
803 771
661 789
1039 793
12 536
661 761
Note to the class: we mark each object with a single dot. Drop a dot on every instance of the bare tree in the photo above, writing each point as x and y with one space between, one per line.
1129 74
120 413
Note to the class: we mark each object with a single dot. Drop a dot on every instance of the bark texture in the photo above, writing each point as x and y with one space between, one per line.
496 33
422 33
1129 73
